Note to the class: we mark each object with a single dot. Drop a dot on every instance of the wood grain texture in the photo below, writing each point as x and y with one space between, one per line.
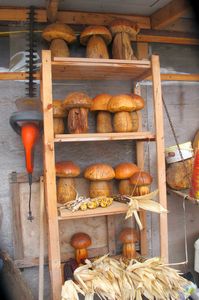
52 8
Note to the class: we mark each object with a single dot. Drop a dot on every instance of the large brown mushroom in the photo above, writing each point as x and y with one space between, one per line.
99 104
80 241
59 35
96 38
124 33
66 171
78 104
129 237
99 174
58 115
122 105
140 182
123 172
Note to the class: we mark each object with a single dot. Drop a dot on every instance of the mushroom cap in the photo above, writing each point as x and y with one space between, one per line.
58 110
128 235
99 172
95 30
80 240
77 100
122 102
125 170
120 25
139 101
100 102
59 31
67 169
141 178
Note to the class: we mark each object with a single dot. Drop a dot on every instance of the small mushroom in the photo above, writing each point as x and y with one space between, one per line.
122 105
140 182
78 104
99 104
124 32
99 174
129 236
96 38
59 35
80 241
123 172
58 115
66 171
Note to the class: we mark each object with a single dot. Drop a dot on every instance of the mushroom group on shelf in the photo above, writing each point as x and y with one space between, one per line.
80 241
77 104
59 35
66 190
128 237
123 172
58 117
141 182
99 175
96 39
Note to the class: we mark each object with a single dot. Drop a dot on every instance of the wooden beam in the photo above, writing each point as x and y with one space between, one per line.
180 77
16 76
169 13
150 38
52 8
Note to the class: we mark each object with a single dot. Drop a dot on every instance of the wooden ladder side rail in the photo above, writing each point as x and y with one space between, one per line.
161 175
50 177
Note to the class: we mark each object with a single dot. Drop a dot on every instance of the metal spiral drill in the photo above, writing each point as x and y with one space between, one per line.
28 121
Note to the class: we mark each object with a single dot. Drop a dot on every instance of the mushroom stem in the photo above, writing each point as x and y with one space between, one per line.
122 122
104 123
59 48
58 125
96 48
124 187
65 190
129 250
140 190
81 254
78 120
122 48
99 188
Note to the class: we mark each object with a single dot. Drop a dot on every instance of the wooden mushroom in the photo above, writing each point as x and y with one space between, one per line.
99 104
58 115
122 105
80 241
59 35
140 182
124 33
123 172
77 104
96 39
99 175
66 171
129 237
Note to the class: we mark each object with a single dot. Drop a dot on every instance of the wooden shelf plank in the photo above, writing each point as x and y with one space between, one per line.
114 209
99 69
86 137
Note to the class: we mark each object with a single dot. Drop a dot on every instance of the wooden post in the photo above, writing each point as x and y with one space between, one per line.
161 175
50 177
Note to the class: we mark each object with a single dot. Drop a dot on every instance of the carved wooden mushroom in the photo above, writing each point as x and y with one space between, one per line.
58 115
80 241
99 104
100 175
123 172
124 33
122 105
66 171
59 35
96 39
129 237
78 104
141 182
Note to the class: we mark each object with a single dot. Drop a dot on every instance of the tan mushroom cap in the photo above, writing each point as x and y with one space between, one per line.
119 25
139 101
95 30
80 240
59 31
128 235
99 172
122 102
77 100
58 110
141 178
100 102
125 170
67 169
